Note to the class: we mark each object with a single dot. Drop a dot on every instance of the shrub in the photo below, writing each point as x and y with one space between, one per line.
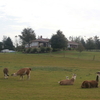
35 50
38 50
42 49
48 49
31 50
54 50
27 50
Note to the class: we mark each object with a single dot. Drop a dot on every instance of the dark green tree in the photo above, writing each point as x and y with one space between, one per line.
77 39
27 36
90 44
83 43
8 44
58 41
1 46
97 42
71 38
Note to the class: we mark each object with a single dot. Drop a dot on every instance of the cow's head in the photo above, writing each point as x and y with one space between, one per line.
13 74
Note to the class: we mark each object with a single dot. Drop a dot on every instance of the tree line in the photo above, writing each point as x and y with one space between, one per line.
58 41
6 44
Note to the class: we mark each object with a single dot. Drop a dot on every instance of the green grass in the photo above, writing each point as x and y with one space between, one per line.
47 70
74 54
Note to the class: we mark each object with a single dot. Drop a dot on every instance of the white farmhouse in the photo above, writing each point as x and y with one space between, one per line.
40 42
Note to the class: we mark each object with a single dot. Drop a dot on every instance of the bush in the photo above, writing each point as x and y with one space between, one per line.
31 51
35 50
42 49
55 50
20 48
27 50
38 50
48 49
69 49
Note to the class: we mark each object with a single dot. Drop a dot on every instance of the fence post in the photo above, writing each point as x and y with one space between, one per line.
94 57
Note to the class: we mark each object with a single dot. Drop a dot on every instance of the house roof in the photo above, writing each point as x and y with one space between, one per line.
41 40
71 42
45 40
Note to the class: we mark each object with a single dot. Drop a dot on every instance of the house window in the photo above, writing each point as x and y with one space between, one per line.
34 44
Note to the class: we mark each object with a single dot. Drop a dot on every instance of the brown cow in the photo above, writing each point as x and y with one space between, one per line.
23 71
5 71
90 84
68 81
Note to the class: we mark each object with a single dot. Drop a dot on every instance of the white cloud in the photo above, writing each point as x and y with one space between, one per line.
73 17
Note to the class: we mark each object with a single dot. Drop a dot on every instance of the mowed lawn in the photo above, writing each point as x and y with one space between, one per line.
47 70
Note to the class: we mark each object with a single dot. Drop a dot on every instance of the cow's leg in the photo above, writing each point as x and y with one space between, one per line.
5 75
28 76
21 77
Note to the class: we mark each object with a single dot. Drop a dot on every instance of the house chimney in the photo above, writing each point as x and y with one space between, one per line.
41 37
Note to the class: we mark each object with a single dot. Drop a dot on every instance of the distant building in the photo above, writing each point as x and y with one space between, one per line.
72 45
44 42
40 42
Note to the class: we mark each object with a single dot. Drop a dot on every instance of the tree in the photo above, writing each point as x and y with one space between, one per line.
27 36
80 48
71 38
83 43
1 46
7 43
58 41
16 41
75 39
90 44
97 42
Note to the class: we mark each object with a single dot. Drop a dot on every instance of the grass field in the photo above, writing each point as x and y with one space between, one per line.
47 70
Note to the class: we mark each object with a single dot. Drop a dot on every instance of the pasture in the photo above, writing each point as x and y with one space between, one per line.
47 70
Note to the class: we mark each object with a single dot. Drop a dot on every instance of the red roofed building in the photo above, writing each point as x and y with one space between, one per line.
40 42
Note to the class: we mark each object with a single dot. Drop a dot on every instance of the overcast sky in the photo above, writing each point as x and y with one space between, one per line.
45 17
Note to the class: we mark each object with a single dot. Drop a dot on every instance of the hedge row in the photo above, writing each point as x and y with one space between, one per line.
38 50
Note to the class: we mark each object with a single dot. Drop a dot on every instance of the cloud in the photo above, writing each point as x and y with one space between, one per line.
73 17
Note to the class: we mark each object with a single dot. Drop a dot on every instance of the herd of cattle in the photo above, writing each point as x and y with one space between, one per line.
21 72
67 81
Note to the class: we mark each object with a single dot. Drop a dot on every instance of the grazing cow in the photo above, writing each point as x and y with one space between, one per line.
23 71
68 81
5 71
91 84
